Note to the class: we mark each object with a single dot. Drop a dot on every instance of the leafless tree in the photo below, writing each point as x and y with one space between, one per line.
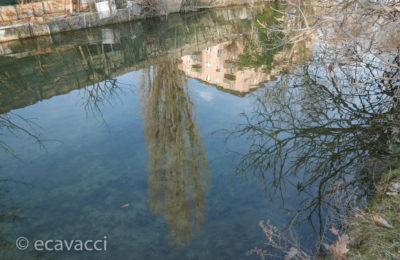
330 123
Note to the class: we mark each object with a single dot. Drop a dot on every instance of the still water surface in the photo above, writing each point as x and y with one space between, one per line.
121 132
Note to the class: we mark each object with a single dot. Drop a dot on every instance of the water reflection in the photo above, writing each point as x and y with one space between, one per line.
245 62
215 65
313 127
41 68
12 124
96 96
330 126
322 135
16 126
93 61
11 212
178 172
8 213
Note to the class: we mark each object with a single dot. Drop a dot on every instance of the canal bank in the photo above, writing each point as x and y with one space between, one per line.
55 18
373 231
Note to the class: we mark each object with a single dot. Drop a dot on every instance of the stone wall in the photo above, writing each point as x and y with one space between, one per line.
86 20
64 24
32 10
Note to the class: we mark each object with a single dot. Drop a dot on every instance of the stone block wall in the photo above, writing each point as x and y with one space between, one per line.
81 21
37 9
26 11
62 23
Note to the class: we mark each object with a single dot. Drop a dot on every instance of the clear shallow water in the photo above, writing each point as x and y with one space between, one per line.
122 141
130 114
76 188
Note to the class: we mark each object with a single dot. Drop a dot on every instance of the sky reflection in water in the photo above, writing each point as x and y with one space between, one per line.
130 114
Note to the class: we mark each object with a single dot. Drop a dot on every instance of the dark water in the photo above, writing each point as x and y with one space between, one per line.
140 114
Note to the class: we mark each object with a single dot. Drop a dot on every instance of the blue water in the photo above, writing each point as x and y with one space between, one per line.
91 166
145 167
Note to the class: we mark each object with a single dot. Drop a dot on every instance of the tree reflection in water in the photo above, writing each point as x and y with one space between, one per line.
178 172
15 125
103 88
330 126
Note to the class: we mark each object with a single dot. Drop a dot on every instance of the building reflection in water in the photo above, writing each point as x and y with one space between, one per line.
216 65
221 64
178 172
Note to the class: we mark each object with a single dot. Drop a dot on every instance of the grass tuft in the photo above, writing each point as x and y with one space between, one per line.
372 241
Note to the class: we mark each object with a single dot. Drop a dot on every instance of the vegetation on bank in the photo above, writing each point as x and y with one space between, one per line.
257 55
372 239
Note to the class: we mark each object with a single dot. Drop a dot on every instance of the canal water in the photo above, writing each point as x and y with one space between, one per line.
149 137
